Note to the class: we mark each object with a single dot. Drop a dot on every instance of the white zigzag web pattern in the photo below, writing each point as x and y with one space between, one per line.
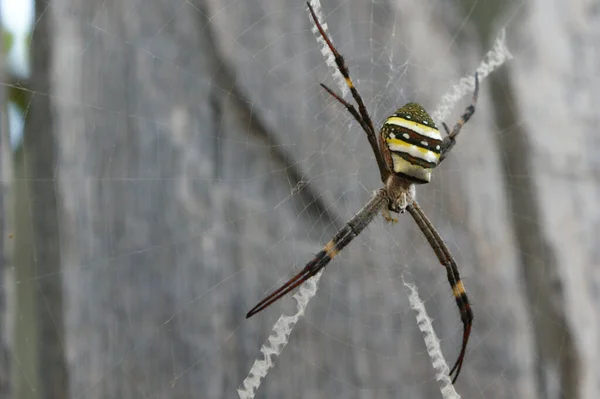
494 58
432 343
283 327
278 339
327 54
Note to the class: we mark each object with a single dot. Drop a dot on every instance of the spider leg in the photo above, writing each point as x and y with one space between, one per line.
385 212
445 257
354 113
342 238
312 268
362 116
450 139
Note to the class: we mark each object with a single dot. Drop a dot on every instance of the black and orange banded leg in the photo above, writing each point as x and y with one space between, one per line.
362 115
458 290
342 238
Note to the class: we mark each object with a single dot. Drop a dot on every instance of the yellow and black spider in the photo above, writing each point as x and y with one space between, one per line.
410 146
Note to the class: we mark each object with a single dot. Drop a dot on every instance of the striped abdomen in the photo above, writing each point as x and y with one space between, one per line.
414 143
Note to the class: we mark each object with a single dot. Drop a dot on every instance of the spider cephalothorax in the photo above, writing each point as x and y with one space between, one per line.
400 193
409 147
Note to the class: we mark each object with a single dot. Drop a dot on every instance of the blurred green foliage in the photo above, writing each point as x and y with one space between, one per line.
8 40
16 88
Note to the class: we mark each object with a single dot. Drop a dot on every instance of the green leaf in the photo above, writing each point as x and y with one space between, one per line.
20 96
8 40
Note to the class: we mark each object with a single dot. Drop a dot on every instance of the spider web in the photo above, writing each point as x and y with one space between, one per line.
285 324
253 180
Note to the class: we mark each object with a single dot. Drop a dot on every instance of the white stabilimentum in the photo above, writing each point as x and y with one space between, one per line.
327 54
278 339
432 343
494 58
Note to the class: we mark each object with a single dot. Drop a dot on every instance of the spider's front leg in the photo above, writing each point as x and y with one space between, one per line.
450 139
394 202
387 215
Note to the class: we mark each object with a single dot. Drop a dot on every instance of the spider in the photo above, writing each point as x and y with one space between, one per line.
409 147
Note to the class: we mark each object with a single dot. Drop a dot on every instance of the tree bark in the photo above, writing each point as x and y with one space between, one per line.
200 164
39 336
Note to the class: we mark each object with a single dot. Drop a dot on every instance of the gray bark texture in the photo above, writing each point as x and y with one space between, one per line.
38 345
199 164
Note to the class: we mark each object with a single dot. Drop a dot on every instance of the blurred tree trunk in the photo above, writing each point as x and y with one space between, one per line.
199 164
149 122
25 341
5 233
137 122
546 111
39 346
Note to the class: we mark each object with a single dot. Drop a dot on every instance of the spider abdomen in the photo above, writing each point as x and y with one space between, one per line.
413 141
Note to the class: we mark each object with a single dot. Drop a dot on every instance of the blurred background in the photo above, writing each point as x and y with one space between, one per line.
167 163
